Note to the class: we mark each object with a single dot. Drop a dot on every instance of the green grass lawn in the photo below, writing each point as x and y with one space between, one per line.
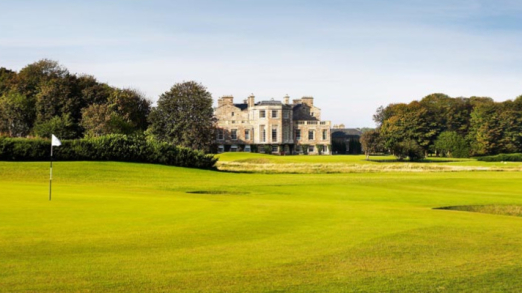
122 227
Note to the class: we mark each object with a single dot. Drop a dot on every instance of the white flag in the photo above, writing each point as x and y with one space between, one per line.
55 141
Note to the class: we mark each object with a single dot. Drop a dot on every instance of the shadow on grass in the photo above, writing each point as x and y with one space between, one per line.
506 210
217 192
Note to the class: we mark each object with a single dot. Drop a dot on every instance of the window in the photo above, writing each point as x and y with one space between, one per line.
325 134
247 148
311 135
232 114
233 134
298 134
233 148
220 134
274 149
221 148
247 134
262 133
262 113
274 113
298 149
286 114
274 134
311 149
312 114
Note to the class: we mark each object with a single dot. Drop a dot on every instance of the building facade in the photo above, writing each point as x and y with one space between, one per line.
346 140
271 126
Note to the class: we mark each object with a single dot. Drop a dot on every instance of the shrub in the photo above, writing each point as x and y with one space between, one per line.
62 126
450 144
502 158
304 148
114 147
267 148
408 148
320 148
21 149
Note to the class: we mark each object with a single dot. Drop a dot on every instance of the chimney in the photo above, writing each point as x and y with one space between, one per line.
227 100
297 101
308 100
251 100
286 100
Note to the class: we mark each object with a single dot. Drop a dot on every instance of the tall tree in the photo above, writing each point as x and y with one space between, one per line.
184 116
16 114
451 144
61 126
92 91
371 142
31 76
485 131
132 106
98 120
408 122
7 80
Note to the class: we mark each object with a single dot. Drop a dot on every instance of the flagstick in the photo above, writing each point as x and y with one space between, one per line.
51 173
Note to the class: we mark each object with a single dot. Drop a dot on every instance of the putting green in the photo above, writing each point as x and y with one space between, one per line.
123 227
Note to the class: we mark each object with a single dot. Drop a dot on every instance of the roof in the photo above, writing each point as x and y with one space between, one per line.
295 106
241 106
269 103
345 132
302 115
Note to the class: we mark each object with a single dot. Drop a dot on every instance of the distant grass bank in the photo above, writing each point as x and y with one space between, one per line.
260 163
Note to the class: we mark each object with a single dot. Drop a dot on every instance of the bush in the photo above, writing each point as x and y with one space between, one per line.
304 148
320 149
502 158
115 147
408 148
61 126
267 149
21 149
450 144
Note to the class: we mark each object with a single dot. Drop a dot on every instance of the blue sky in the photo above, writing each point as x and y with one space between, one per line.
352 56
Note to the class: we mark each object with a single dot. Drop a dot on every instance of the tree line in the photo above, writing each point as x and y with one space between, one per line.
444 126
44 98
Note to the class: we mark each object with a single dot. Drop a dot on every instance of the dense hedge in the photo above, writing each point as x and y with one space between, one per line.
502 158
114 147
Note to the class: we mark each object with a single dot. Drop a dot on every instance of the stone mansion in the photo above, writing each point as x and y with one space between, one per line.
271 126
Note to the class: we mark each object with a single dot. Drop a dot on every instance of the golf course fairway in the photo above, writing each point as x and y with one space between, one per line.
125 227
